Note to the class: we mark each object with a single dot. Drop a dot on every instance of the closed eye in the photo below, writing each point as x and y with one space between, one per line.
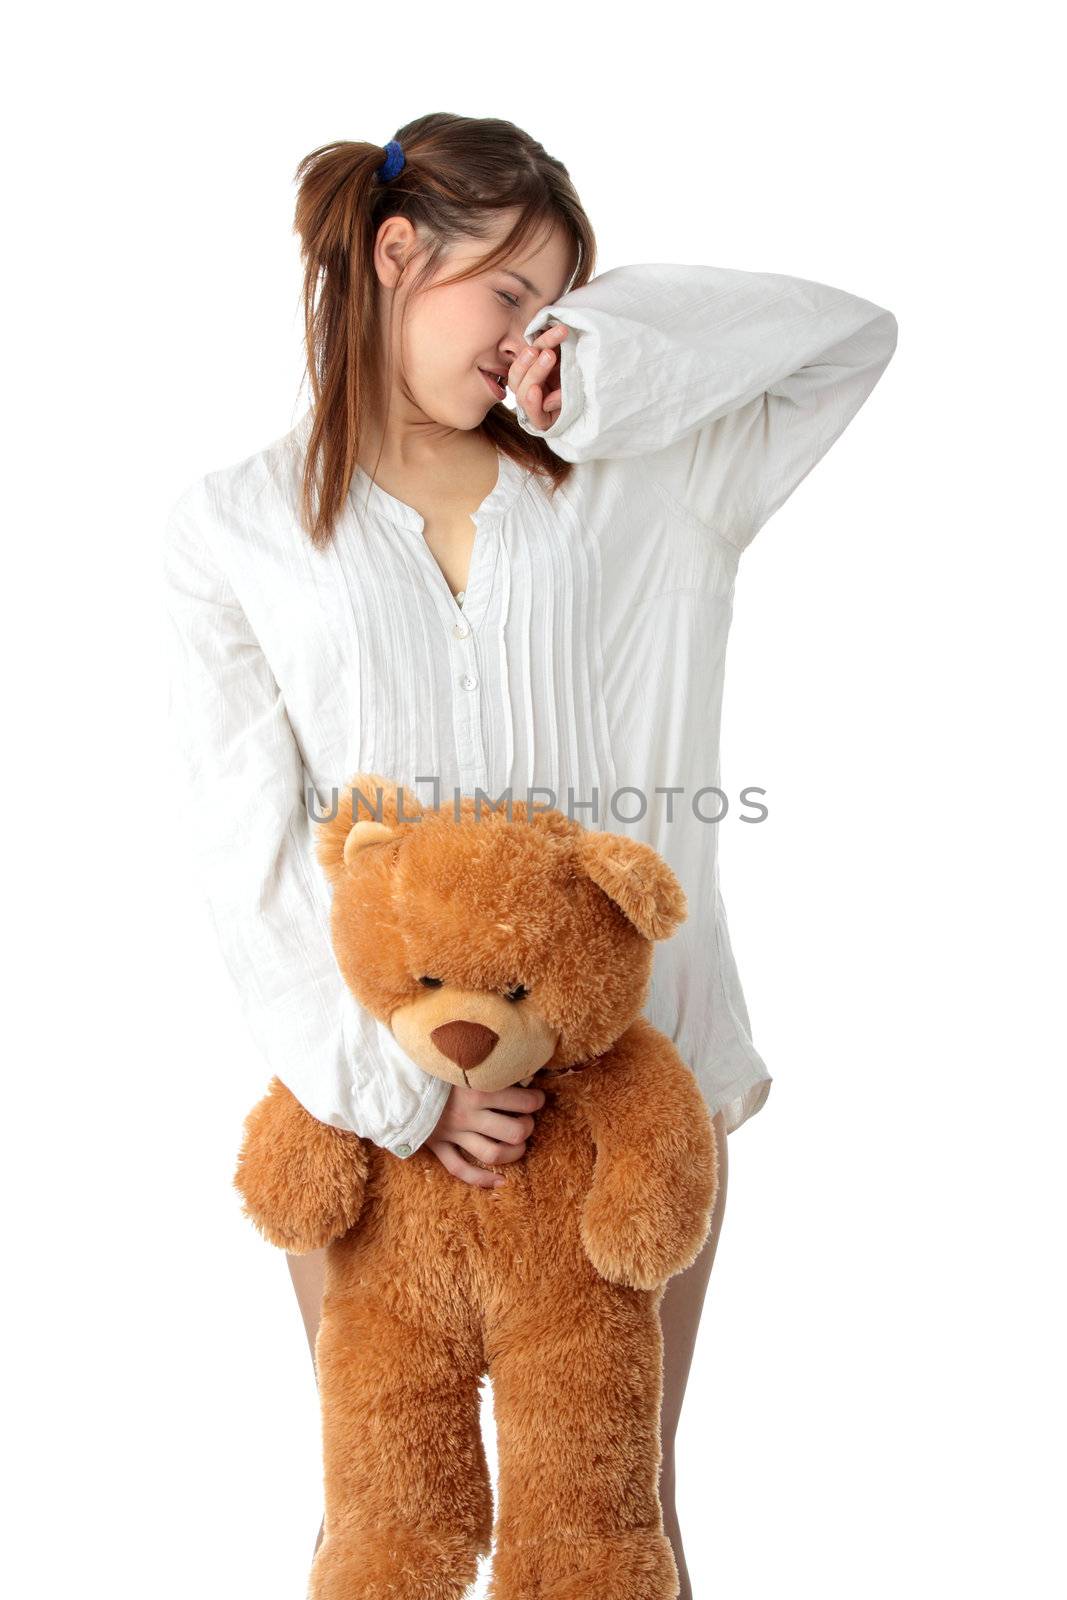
518 993
510 298
432 983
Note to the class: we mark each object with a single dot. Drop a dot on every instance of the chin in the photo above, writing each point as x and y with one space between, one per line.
464 422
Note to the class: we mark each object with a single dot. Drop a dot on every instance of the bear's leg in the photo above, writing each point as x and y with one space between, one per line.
577 1379
409 1504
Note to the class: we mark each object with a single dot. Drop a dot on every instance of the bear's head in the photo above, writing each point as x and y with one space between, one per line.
491 945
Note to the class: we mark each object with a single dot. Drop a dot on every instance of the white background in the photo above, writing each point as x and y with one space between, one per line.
876 1401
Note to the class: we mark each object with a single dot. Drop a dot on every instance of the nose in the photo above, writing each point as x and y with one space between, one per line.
465 1043
514 344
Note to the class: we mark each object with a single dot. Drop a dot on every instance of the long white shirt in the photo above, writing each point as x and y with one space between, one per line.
587 655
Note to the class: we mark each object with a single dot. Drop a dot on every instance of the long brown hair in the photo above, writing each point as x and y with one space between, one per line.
458 172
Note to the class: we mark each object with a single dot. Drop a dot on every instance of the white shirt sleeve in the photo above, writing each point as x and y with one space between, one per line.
250 845
731 384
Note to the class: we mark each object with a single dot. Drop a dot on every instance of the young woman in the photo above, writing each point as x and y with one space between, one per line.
419 581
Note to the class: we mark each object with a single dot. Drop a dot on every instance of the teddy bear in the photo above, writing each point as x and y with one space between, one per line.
500 946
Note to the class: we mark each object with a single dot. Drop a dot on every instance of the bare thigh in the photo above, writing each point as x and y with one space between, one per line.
679 1312
308 1273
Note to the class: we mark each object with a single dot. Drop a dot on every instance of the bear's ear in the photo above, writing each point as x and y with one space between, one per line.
370 810
637 878
362 834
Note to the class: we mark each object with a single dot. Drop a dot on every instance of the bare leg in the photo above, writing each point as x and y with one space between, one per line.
680 1309
308 1273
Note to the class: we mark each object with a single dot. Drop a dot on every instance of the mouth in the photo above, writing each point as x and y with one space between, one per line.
495 382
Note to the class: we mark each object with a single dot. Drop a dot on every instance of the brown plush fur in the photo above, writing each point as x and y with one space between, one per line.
552 1284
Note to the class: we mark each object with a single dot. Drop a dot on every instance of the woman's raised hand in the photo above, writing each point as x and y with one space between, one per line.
534 377
491 1124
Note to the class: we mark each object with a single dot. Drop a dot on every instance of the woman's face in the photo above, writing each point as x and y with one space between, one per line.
455 331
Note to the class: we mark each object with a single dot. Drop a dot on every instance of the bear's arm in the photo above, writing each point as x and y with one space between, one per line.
302 1182
655 1178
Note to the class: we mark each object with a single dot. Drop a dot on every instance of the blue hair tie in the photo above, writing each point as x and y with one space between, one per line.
393 163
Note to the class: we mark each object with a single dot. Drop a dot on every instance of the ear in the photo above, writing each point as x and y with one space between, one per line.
637 878
371 809
362 834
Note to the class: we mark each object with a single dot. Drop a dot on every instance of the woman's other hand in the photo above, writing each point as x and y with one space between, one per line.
491 1124
534 377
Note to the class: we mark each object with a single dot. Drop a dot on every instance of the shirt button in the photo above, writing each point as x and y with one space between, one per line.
460 630
468 681
403 1149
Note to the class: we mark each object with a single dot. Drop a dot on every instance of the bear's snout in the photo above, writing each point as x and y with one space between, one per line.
465 1043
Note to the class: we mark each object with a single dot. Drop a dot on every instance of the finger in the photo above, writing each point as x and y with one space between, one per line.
494 1151
453 1162
532 403
554 335
520 367
550 339
505 1127
504 1154
514 1098
532 377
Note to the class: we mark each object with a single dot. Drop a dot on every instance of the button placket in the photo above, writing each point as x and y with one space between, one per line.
466 706
461 613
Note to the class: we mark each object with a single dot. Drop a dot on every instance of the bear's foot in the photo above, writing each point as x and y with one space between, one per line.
393 1563
636 1564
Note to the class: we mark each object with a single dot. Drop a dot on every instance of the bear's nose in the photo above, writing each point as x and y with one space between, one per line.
465 1043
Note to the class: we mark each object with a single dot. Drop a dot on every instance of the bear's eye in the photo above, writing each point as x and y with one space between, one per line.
432 983
519 992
